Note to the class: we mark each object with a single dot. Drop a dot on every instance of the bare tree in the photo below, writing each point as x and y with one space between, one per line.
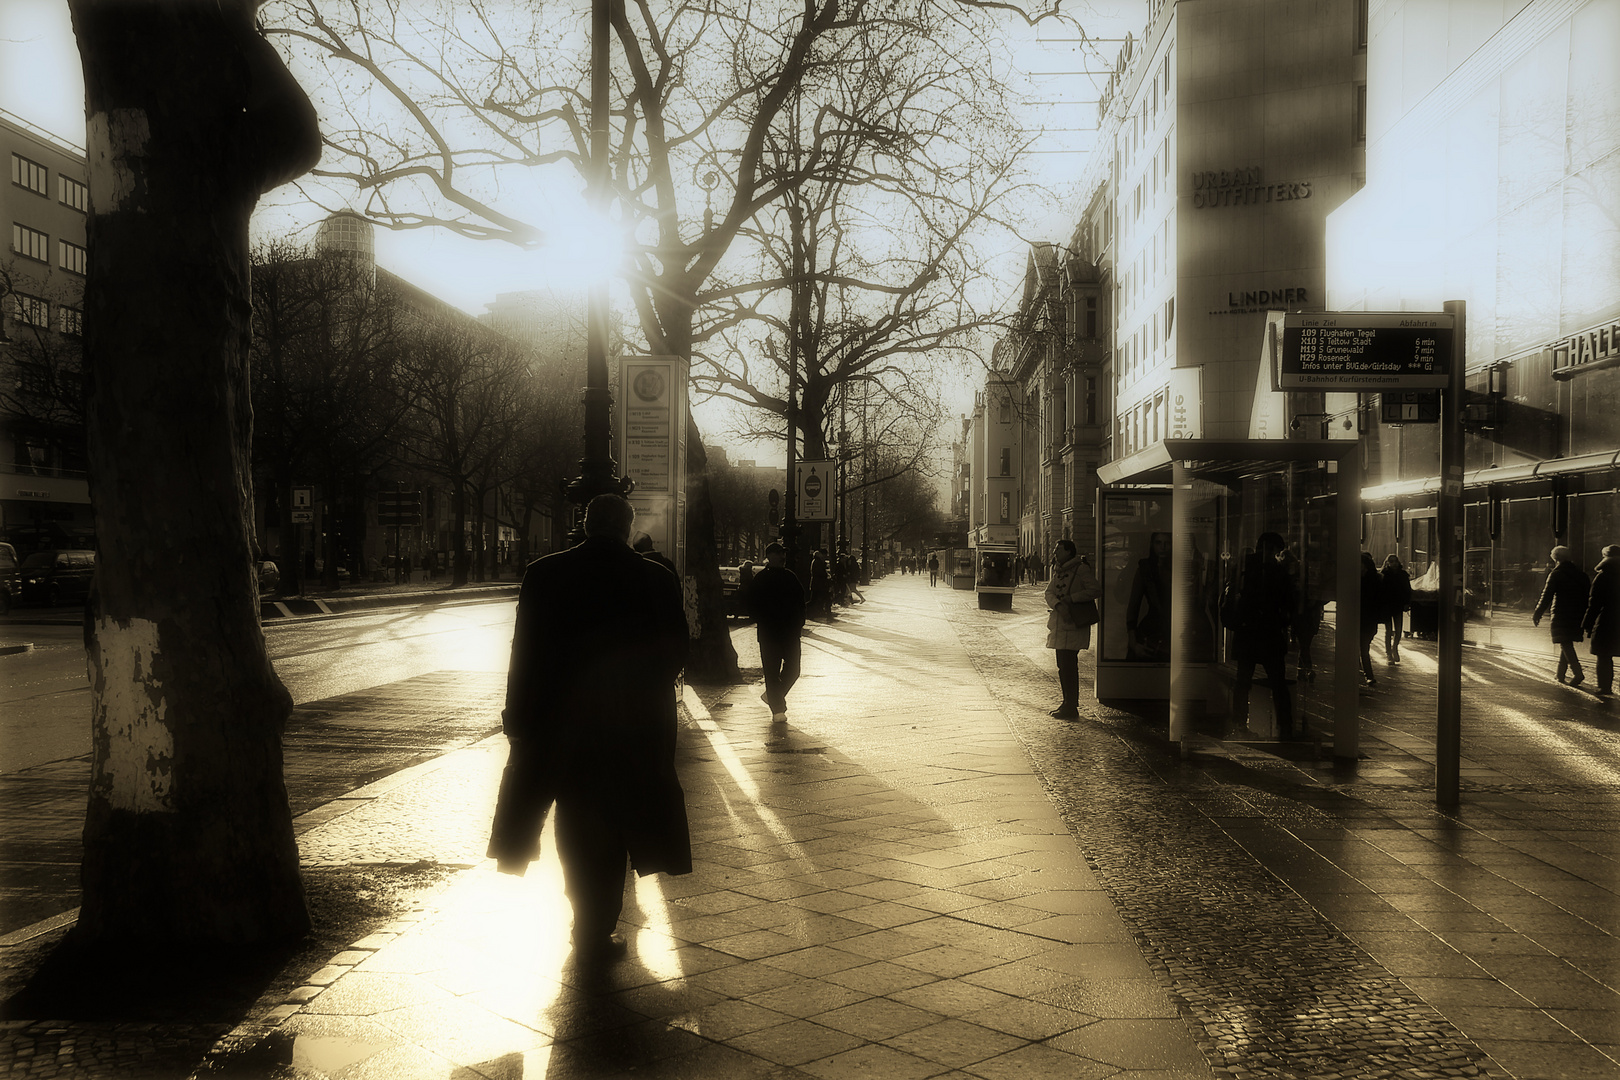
188 837
327 341
464 385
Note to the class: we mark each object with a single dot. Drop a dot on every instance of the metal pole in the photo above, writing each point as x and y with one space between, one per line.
597 469
866 569
1347 617
1449 545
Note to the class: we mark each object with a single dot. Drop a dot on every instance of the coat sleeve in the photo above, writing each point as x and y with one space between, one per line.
1546 597
521 716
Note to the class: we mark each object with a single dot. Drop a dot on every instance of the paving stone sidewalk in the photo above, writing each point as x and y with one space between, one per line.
882 888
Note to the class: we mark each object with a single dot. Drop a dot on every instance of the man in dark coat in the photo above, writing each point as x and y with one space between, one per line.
590 716
1259 619
1602 621
776 604
1565 596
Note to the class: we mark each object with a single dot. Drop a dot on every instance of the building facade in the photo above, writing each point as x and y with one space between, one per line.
44 490
1493 177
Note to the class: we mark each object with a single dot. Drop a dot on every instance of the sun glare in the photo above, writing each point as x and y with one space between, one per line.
583 248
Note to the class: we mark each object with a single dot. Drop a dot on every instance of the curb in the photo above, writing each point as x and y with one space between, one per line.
298 606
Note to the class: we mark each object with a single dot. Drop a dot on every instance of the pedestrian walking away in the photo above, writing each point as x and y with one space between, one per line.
1372 613
1071 598
590 721
776 604
1602 619
1397 597
1565 596
933 570
1259 610
821 585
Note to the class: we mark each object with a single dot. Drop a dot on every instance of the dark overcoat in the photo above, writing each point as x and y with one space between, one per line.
590 706
1565 595
776 604
1602 621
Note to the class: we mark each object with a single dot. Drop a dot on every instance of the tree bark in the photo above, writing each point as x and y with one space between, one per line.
711 659
188 837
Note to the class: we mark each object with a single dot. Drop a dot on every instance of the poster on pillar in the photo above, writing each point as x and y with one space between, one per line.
1268 417
1186 403
652 447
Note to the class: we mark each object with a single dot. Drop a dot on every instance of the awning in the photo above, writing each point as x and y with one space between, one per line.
1223 460
1526 472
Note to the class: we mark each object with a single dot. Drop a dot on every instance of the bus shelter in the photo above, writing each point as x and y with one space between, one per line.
1175 523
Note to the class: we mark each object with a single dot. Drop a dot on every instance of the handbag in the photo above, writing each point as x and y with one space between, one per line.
1083 612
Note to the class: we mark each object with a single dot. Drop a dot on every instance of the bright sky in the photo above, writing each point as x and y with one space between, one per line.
41 81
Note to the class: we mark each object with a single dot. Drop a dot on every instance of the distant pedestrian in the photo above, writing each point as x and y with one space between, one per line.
933 569
590 719
1070 595
1259 614
852 578
821 585
1565 596
1147 612
1372 613
745 580
1602 619
643 546
1397 598
776 604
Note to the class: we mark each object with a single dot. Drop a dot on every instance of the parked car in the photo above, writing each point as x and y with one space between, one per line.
732 599
57 577
269 576
10 579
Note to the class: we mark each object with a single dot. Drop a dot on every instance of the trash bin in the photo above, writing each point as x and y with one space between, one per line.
1425 615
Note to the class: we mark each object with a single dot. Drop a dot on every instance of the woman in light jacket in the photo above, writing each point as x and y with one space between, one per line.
1072 582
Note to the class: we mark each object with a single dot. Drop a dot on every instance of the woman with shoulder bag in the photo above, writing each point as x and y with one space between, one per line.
1071 594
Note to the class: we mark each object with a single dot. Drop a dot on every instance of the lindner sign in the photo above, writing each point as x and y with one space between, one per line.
1353 351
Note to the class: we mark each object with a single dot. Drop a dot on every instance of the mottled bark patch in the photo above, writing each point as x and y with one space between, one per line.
117 142
134 748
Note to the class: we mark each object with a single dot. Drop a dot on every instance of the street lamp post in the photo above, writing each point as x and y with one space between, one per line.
598 472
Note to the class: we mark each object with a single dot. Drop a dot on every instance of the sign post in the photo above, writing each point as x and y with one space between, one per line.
1370 351
813 483
1449 524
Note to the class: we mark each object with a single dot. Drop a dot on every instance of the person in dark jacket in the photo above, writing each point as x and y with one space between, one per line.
1072 589
776 604
1372 613
933 569
1260 621
1602 619
1565 596
590 718
821 585
1147 632
1397 598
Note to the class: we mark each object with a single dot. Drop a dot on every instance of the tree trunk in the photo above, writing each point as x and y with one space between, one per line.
458 532
188 837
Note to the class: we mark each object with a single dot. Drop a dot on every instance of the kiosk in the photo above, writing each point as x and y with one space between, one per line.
1175 521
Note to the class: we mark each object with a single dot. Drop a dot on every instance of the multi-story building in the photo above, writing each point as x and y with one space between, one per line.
44 492
1237 127
992 506
1493 177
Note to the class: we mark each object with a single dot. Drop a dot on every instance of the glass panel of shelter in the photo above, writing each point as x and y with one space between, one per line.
1141 538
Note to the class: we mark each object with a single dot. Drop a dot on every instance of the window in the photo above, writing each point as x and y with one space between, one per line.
1006 461
1091 399
1091 316
1361 25
30 175
71 256
30 243
1361 114
30 309
69 320
69 192
1004 413
1169 316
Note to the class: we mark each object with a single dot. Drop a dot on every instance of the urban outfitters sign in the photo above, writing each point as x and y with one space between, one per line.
1243 187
